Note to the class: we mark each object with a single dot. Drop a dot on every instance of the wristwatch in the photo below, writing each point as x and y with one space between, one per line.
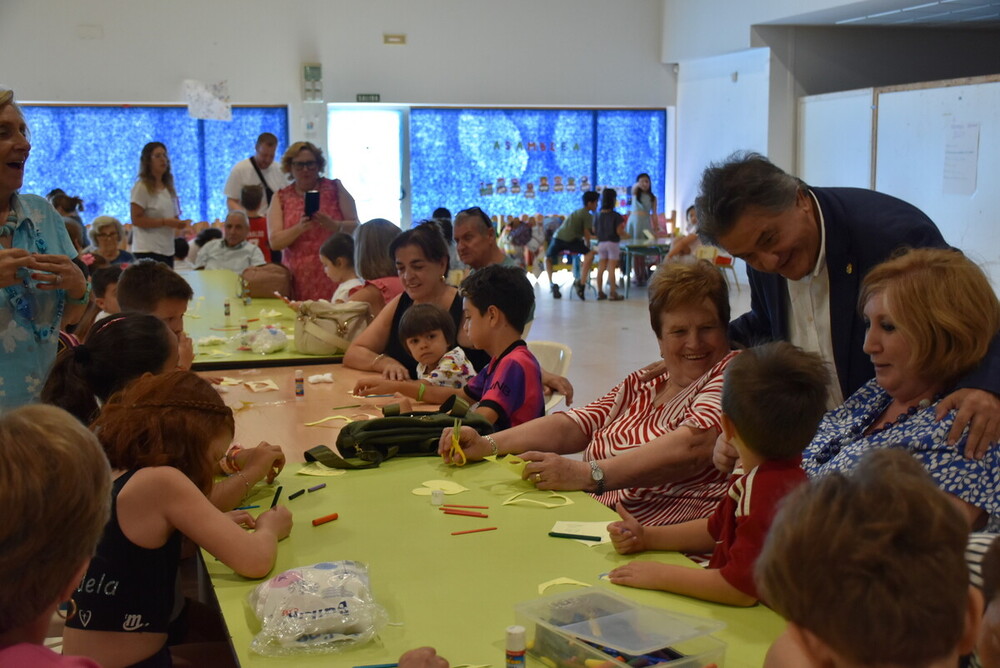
597 473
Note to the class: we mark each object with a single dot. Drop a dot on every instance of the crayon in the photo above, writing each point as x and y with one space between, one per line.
317 487
277 494
295 495
324 520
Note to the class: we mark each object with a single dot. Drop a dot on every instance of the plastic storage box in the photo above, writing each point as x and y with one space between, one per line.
597 628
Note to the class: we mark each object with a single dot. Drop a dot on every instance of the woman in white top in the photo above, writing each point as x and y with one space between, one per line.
155 210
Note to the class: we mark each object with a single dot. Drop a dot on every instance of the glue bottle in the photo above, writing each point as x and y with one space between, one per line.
300 384
515 647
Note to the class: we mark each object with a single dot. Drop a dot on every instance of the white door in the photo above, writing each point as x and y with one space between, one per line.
366 153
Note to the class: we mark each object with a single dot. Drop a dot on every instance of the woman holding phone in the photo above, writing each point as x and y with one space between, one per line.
304 214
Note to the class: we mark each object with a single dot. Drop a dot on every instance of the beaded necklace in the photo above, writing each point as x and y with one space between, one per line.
21 297
857 431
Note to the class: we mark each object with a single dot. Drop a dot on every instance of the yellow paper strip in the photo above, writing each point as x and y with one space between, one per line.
327 419
517 498
560 581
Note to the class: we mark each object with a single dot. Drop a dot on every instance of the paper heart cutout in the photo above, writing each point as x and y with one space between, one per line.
520 498
446 486
85 617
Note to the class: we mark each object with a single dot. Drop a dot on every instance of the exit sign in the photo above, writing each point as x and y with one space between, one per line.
369 97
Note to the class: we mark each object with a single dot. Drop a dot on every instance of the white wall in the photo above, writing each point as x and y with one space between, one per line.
469 52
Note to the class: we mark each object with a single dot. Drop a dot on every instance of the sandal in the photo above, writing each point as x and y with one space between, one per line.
615 297
601 296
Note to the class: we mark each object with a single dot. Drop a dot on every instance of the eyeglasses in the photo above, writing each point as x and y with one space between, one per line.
305 164
105 235
478 213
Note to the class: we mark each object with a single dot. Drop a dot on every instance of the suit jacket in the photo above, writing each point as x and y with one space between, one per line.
863 229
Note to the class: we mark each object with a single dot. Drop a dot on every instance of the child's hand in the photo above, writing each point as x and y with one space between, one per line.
372 385
473 445
278 520
264 461
628 536
185 351
242 518
638 574
725 456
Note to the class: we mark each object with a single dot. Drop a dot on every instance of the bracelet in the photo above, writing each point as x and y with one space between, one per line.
492 443
245 482
375 361
420 392
85 299
228 463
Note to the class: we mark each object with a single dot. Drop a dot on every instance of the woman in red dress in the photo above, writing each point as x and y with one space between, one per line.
300 236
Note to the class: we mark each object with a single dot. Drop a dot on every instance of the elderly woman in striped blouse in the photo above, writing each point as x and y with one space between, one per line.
646 443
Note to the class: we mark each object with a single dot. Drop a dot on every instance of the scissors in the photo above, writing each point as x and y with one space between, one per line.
457 455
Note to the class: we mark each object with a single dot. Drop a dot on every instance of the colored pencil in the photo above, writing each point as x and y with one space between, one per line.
459 533
556 534
466 513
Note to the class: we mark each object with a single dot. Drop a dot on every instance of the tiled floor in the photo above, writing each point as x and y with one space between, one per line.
609 339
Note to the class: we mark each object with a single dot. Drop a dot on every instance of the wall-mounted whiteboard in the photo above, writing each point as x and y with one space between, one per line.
835 139
938 147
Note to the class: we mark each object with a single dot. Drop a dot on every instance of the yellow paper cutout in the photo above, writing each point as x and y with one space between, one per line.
317 469
270 313
230 381
261 385
516 498
584 529
514 463
446 486
211 341
560 581
327 419
220 353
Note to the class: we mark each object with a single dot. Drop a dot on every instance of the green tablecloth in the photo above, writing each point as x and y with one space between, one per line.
456 593
206 318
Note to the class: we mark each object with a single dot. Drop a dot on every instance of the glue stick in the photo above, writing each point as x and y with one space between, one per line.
437 497
515 647
300 384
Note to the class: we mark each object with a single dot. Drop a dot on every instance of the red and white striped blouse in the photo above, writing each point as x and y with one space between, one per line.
625 419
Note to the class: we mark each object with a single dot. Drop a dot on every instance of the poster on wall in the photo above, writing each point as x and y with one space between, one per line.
511 162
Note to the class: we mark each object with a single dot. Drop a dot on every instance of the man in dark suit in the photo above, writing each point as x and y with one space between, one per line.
807 251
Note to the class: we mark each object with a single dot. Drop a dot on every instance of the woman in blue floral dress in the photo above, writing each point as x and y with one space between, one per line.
39 284
931 316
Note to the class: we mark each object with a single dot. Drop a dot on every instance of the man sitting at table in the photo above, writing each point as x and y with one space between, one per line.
573 236
154 288
232 251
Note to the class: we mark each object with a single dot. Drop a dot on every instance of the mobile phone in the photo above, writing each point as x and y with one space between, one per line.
312 202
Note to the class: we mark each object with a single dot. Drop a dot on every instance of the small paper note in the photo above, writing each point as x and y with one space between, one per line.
545 501
211 340
321 378
560 581
446 486
317 469
261 385
584 529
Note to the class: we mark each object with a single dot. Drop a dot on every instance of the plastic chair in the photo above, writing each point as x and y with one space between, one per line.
721 262
553 357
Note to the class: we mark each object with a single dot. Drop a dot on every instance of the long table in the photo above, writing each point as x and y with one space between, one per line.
206 318
456 593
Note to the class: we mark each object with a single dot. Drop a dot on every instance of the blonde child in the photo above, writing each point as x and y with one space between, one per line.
869 570
162 436
773 398
442 368
56 485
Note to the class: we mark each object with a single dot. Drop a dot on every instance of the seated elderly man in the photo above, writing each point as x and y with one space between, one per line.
476 240
232 251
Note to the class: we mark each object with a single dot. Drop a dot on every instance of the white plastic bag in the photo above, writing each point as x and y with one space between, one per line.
315 609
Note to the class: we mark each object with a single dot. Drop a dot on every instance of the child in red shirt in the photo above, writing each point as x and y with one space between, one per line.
251 198
773 398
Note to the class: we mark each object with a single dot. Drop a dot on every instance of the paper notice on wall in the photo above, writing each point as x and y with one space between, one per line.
208 101
961 159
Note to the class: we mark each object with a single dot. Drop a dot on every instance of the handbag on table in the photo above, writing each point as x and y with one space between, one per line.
367 443
263 281
324 328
